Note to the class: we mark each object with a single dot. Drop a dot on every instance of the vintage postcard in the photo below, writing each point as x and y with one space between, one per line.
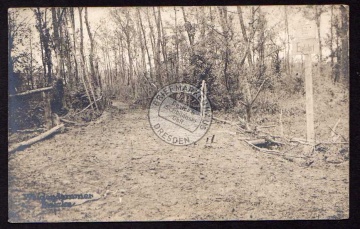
178 113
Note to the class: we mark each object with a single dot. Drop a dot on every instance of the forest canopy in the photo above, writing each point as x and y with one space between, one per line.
131 52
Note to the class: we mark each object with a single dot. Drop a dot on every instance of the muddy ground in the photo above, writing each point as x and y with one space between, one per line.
135 176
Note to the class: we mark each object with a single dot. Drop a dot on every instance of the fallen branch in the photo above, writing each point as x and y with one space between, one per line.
257 141
242 120
30 130
152 84
244 138
288 150
227 132
298 139
88 106
261 149
334 128
243 103
273 136
337 133
301 142
257 94
224 121
266 126
31 92
329 143
71 122
31 141
273 141
241 130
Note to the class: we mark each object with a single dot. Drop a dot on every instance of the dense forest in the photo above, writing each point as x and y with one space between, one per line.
92 55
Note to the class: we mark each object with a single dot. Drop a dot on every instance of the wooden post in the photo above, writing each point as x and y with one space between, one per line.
310 132
281 124
306 44
47 110
203 98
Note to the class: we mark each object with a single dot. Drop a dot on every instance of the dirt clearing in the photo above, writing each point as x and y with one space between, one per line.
138 177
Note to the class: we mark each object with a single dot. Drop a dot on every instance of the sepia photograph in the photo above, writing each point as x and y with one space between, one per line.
178 113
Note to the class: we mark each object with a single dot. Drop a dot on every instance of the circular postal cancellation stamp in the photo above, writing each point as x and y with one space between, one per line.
180 114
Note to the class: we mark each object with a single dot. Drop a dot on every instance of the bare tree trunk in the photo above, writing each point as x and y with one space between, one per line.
57 15
202 18
56 39
39 28
45 41
145 42
318 13
92 44
68 50
243 29
11 25
31 63
163 44
110 75
331 40
142 46
177 47
83 77
261 45
152 35
122 61
225 28
287 46
60 15
338 56
344 43
190 31
128 43
157 50
72 16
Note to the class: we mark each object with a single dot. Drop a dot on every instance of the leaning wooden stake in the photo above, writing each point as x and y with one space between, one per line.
31 141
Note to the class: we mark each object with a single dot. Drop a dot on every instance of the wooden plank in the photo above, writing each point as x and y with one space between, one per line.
305 46
32 92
